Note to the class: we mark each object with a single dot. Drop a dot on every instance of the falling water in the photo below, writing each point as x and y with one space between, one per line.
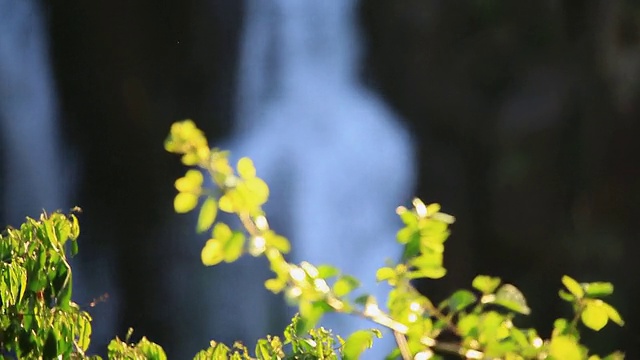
32 165
337 159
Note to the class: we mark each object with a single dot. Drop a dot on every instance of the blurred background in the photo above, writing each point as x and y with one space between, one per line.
520 118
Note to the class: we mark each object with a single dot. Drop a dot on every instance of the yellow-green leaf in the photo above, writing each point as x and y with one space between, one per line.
190 182
564 348
356 343
594 315
246 170
275 285
226 204
190 159
212 252
185 202
345 285
486 284
259 190
613 314
573 286
385 273
234 248
278 241
222 232
207 216
511 298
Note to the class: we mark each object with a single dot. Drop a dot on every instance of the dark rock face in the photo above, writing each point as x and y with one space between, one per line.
520 111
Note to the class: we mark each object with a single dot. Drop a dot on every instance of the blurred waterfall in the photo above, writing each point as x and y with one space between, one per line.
337 159
32 166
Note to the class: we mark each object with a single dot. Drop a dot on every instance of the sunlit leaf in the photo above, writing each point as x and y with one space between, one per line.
598 289
565 348
258 189
225 203
327 271
613 314
468 325
385 273
190 159
212 252
511 298
310 314
185 202
234 247
486 284
594 315
279 242
357 343
573 286
222 232
566 296
275 285
191 182
432 273
207 215
344 285
150 350
246 169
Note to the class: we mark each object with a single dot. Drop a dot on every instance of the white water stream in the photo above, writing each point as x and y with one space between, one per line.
33 170
337 159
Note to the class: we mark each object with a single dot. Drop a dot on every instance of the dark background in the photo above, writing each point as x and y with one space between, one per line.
526 116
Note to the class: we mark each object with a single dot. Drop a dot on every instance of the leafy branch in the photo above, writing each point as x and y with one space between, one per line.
482 324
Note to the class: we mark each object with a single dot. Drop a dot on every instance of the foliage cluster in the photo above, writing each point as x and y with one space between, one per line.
39 320
482 319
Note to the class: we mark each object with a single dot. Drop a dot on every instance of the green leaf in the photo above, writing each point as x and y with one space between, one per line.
594 315
75 227
185 202
50 350
264 350
246 169
461 299
357 343
84 331
573 286
486 284
207 214
564 348
511 298
344 285
212 252
598 289
150 350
